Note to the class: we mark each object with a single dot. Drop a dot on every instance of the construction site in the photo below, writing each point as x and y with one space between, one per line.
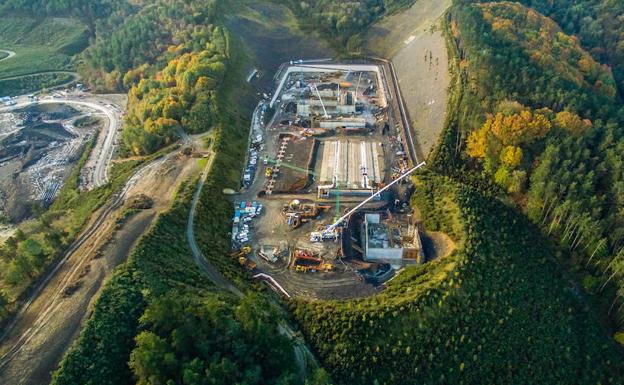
324 210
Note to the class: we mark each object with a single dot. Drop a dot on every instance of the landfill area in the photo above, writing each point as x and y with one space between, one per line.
39 145
328 138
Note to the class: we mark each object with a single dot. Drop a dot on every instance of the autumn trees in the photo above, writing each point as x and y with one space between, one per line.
500 141
180 97
567 174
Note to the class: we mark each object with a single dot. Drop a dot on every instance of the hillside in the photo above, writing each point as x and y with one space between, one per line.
540 117
498 310
598 24
40 44
524 173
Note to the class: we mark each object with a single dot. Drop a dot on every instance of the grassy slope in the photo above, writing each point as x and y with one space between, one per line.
271 35
40 44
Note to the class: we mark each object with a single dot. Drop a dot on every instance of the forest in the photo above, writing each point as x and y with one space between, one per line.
343 22
562 162
597 23
498 310
180 97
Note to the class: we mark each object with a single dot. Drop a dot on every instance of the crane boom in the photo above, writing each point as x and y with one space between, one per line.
370 198
320 99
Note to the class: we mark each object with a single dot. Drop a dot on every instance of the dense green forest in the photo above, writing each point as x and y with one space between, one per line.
597 23
498 310
342 22
541 118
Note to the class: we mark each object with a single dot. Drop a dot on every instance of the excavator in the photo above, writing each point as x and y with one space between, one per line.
297 212
241 255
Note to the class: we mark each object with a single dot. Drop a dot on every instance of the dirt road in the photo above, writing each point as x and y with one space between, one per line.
75 76
10 54
45 328
303 355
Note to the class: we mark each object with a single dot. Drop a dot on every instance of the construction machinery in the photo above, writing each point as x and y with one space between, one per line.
241 255
298 212
307 261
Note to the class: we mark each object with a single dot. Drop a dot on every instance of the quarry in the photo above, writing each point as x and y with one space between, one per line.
330 138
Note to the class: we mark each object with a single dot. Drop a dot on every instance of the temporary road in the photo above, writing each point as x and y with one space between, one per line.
33 325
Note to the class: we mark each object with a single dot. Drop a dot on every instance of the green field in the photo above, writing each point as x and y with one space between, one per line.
40 45
31 83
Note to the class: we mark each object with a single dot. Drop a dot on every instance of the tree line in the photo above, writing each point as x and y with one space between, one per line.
561 161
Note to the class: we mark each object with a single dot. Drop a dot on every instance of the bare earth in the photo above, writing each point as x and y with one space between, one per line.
39 338
412 40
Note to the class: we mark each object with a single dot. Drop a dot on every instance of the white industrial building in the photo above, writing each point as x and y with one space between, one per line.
385 243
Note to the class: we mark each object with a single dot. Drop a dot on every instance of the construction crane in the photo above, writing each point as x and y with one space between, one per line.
313 86
357 88
331 228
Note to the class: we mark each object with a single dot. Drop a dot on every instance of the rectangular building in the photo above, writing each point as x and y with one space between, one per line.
385 243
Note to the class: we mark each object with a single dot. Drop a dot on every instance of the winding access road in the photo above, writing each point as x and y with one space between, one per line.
303 355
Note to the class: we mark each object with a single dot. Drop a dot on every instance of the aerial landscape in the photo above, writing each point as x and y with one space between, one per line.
281 192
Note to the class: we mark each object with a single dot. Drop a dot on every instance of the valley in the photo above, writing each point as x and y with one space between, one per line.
369 192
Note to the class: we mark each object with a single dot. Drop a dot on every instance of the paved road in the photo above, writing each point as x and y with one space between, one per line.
212 272
10 53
